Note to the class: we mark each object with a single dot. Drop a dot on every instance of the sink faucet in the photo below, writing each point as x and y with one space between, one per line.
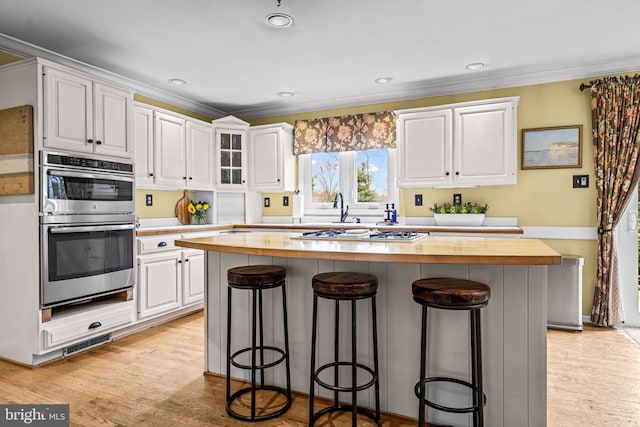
344 213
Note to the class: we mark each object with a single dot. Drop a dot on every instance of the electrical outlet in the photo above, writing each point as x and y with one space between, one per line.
267 202
418 199
149 199
285 200
457 199
580 181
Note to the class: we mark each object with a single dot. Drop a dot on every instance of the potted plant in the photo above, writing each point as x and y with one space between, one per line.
459 214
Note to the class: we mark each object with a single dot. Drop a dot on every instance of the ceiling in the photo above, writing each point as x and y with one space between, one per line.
234 63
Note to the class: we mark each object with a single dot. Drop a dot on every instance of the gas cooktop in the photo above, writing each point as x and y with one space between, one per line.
362 235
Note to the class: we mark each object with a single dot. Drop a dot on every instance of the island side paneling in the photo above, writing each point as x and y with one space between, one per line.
513 331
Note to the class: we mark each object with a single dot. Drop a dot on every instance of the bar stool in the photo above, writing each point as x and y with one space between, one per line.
257 278
344 286
453 294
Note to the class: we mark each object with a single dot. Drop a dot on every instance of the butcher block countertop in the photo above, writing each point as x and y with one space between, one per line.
429 250
505 230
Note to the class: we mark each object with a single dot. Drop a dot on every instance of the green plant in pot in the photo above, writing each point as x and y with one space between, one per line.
459 208
459 214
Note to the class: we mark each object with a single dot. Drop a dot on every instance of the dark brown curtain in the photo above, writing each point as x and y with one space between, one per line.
615 113
355 132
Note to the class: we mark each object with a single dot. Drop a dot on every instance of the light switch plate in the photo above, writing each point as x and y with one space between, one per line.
267 202
149 199
580 181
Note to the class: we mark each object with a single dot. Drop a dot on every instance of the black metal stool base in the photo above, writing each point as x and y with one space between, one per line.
263 417
467 384
344 408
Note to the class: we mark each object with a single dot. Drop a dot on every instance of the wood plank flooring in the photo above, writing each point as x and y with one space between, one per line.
154 378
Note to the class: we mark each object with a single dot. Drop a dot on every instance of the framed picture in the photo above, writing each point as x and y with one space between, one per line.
552 147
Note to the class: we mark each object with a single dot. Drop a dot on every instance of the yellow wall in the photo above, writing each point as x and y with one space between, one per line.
542 197
6 58
164 203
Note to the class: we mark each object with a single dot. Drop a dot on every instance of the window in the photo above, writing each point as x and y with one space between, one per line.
366 180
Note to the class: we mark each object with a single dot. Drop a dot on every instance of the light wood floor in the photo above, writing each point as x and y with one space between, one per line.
154 378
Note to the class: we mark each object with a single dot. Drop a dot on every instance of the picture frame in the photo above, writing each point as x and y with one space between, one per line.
552 147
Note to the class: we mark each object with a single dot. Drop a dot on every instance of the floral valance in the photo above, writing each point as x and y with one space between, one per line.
356 132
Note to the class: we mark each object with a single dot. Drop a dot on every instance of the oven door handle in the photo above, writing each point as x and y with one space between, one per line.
57 172
83 229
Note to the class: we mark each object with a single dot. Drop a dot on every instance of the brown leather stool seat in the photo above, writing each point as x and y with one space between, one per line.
452 294
345 287
257 278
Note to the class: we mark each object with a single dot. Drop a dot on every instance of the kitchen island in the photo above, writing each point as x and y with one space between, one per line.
513 323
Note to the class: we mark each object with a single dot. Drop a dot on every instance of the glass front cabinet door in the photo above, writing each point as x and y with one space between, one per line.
231 135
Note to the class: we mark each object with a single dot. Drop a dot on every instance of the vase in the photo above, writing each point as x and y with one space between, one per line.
200 219
460 220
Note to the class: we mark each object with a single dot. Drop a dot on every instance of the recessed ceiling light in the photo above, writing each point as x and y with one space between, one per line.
474 66
285 94
177 82
279 20
383 80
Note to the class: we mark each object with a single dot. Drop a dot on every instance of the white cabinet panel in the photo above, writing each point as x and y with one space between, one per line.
85 116
170 150
231 153
143 144
199 156
68 112
486 144
425 154
159 283
272 165
468 144
192 276
111 112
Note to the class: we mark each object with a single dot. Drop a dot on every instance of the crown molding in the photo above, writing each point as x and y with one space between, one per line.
21 48
469 82
472 82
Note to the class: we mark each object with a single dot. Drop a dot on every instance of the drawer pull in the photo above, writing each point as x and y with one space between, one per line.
162 244
95 325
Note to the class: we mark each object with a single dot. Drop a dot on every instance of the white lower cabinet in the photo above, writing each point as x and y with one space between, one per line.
192 276
159 283
169 278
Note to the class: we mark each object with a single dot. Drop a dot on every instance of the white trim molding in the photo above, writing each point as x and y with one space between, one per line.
569 233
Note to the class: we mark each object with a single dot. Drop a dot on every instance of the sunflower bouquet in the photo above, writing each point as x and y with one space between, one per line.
199 210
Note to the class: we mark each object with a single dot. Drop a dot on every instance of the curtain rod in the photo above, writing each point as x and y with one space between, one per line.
584 86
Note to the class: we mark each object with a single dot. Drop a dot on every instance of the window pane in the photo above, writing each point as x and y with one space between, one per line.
325 175
372 176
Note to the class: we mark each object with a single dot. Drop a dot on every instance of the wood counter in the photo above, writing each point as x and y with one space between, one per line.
431 249
513 323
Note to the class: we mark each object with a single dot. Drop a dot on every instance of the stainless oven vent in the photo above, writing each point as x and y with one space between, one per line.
91 342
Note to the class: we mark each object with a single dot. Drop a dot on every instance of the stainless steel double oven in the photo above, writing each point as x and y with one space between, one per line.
87 227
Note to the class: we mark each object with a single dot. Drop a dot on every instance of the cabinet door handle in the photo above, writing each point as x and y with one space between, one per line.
90 141
184 177
457 173
446 173
186 260
150 174
95 325
98 142
179 262
278 179
190 177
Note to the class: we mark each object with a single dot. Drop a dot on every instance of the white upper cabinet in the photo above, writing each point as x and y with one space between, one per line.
85 116
424 147
171 150
468 144
199 155
272 165
143 144
485 141
231 153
